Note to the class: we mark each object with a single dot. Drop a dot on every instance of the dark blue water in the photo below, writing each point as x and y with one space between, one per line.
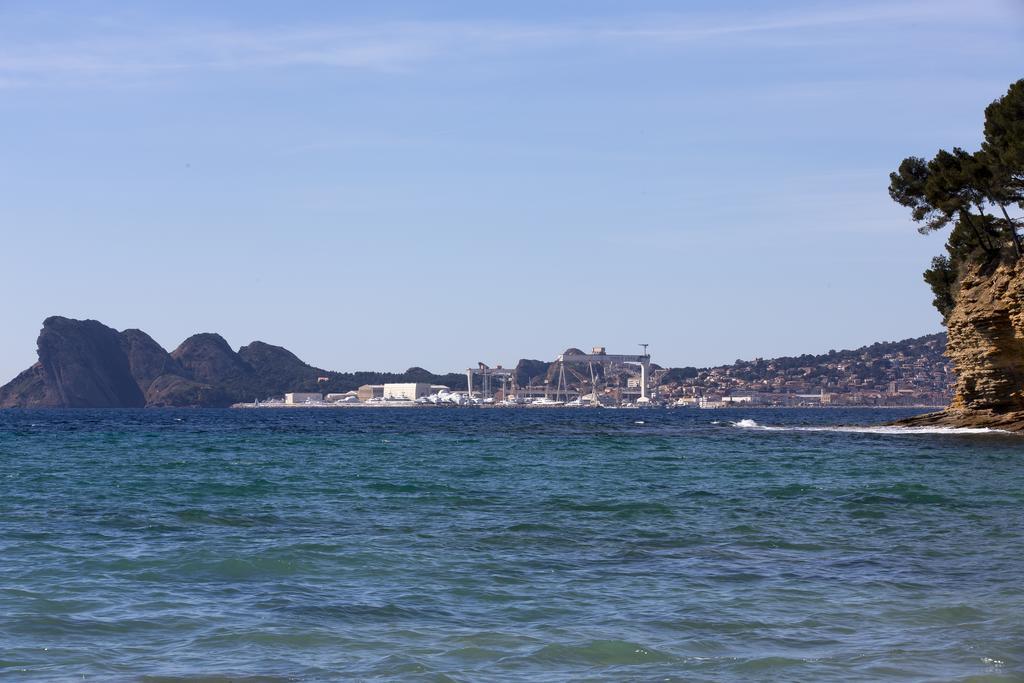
506 545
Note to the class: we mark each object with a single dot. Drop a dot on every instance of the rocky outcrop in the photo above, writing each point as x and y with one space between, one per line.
85 364
986 344
952 417
986 340
530 371
30 389
81 365
162 380
147 360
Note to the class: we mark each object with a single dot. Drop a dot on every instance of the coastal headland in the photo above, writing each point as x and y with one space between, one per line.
979 282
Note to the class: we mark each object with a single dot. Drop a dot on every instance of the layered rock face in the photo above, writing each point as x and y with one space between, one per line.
986 341
986 344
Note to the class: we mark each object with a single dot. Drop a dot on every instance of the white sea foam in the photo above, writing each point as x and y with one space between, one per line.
881 429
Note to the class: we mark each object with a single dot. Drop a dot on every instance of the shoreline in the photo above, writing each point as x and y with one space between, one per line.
411 404
946 417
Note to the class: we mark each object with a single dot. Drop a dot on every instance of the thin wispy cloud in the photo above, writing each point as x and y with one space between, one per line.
401 47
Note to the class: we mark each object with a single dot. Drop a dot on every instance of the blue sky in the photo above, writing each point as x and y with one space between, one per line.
379 185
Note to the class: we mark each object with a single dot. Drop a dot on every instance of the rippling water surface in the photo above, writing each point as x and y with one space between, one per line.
507 545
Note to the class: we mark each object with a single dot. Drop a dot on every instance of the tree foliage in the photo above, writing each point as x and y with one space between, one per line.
978 194
941 277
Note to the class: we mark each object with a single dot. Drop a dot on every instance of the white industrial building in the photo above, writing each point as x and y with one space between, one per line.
406 392
298 398
347 397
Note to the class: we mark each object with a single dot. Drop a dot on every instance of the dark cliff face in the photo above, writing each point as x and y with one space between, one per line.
162 379
85 364
147 359
82 364
530 371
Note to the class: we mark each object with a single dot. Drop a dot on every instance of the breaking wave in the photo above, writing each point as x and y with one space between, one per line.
880 429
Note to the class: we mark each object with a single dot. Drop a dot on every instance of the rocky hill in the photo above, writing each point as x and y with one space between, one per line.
908 372
85 364
81 363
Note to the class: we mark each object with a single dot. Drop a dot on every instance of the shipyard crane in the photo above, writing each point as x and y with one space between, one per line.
486 373
599 356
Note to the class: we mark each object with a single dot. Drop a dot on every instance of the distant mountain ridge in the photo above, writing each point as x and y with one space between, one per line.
85 364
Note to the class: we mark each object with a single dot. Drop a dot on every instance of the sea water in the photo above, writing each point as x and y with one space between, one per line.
476 544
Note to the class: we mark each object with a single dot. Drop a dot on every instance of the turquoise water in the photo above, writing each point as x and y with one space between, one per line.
506 545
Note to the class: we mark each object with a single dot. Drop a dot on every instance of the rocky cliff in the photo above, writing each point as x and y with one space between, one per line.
81 364
986 344
85 364
164 382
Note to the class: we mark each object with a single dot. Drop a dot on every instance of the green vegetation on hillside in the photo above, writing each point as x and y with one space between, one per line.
977 193
911 371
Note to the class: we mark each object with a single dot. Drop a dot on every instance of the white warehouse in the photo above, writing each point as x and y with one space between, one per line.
297 398
406 392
